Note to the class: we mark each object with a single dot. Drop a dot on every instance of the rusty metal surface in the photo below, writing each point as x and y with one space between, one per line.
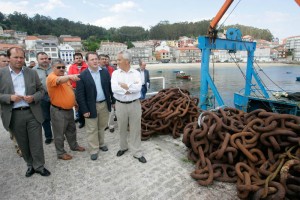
258 150
169 111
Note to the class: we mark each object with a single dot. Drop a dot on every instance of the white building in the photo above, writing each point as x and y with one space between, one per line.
111 48
49 47
66 53
293 45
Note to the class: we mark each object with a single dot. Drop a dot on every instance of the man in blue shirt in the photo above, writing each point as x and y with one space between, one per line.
95 99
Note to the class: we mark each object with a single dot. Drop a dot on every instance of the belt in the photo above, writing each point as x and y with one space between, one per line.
100 101
22 108
59 108
126 102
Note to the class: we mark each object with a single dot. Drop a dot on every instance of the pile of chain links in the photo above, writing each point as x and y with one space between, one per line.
260 151
169 111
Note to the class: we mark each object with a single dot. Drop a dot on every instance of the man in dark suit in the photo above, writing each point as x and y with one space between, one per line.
95 99
145 79
20 93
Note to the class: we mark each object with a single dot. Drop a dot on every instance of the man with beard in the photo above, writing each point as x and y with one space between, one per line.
43 69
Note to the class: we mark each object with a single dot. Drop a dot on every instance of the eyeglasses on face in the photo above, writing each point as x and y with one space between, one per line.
60 67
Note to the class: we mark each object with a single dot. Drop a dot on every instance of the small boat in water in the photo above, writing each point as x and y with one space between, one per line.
183 75
298 78
159 71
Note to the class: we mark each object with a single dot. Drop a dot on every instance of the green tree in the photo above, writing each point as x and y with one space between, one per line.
91 44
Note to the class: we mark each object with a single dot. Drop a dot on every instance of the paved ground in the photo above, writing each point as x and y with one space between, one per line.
166 175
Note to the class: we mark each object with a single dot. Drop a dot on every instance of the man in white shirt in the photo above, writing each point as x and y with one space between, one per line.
126 85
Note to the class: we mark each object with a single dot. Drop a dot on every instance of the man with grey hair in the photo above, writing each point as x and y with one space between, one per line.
126 85
62 99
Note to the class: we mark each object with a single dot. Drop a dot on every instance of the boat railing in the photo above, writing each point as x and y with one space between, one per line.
163 84
273 94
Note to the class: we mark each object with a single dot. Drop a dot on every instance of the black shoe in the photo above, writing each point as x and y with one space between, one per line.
142 159
111 130
121 152
94 156
30 171
104 148
81 125
48 141
115 118
106 128
43 172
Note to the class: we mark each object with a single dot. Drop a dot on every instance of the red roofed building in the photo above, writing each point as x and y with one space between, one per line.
163 55
188 54
5 47
73 41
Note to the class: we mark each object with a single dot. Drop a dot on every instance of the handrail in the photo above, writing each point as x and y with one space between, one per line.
163 83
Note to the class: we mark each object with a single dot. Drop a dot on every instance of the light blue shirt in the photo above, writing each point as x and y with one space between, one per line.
43 74
19 87
97 79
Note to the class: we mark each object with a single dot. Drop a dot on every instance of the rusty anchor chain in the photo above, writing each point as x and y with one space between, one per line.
258 150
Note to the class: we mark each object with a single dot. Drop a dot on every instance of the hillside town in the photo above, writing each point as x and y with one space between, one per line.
183 50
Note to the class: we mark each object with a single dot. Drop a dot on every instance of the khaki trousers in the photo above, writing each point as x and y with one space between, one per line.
94 128
63 126
130 114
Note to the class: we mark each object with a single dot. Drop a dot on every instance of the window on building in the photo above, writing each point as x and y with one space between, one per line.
53 49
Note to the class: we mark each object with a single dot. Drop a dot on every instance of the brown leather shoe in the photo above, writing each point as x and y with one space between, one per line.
65 157
79 148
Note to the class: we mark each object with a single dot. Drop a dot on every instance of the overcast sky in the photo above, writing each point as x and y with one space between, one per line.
281 17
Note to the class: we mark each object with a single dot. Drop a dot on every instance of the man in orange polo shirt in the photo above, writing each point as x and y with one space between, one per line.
62 115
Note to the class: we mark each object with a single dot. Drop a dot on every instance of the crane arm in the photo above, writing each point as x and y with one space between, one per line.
212 32
298 2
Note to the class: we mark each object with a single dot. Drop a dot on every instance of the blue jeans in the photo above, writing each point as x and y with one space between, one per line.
143 91
45 104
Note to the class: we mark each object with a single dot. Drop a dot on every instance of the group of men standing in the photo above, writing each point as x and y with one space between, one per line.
45 97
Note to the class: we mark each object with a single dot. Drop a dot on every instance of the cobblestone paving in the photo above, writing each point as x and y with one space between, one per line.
166 175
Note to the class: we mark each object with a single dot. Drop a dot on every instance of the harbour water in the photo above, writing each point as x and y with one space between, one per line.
228 78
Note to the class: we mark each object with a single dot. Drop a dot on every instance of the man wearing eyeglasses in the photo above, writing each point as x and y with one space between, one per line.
44 69
62 115
104 63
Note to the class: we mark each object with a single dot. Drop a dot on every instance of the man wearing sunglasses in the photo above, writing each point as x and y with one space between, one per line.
62 115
